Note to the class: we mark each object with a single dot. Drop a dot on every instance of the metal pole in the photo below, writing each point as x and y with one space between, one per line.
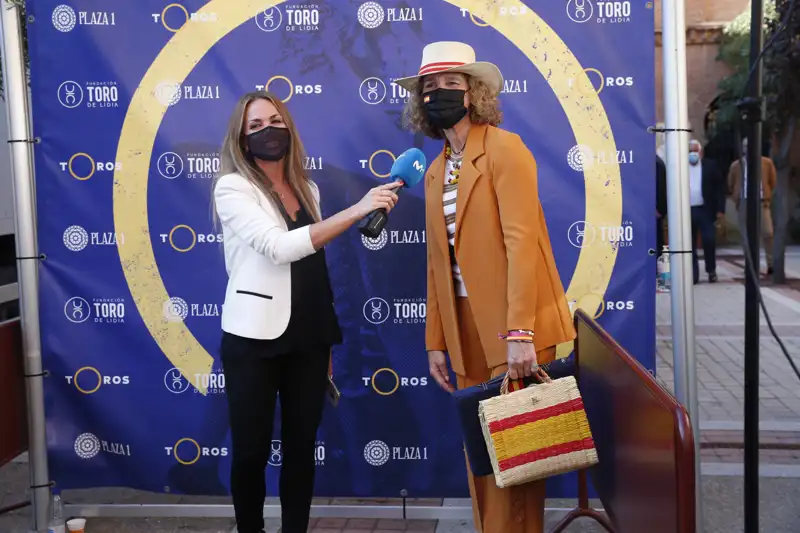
19 130
676 122
752 114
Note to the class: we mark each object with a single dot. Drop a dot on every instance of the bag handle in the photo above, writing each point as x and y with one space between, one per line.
540 374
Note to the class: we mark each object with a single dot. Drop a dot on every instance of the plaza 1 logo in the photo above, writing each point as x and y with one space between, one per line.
77 239
374 91
170 93
176 309
91 94
174 16
371 15
600 306
198 165
603 12
285 89
276 453
188 451
386 381
393 237
293 18
599 82
83 166
378 453
213 382
65 18
502 11
100 311
581 157
183 238
88 446
379 163
312 163
88 380
581 234
402 311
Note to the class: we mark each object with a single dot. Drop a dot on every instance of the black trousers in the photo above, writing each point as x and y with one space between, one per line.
703 223
252 384
659 236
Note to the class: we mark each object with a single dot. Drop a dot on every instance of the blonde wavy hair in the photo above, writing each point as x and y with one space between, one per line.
484 108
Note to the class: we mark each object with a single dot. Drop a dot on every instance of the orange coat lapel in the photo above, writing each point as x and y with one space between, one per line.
435 192
469 174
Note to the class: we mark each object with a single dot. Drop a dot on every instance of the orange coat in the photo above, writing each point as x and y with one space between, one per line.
502 247
769 179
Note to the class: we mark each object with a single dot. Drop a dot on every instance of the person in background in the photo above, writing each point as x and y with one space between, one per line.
491 270
278 320
707 197
737 178
661 203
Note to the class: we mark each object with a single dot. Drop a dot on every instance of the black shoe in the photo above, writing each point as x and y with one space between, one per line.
770 271
712 277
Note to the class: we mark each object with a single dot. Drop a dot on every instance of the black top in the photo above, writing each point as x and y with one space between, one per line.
661 187
313 323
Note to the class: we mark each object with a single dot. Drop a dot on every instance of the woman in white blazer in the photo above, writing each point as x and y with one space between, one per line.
278 320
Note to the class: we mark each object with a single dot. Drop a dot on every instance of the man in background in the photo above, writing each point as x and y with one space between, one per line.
707 196
737 179
661 203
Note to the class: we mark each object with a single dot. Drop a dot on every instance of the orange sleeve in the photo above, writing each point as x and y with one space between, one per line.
434 333
515 183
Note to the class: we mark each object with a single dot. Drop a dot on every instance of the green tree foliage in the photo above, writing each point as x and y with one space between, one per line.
782 72
734 51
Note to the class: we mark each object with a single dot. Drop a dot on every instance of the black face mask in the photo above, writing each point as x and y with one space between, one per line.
444 107
269 144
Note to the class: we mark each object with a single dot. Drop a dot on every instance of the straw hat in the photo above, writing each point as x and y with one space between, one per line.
451 56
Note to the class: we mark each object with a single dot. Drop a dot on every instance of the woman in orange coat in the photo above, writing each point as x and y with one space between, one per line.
491 271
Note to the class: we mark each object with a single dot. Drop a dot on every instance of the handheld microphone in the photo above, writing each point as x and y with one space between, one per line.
410 168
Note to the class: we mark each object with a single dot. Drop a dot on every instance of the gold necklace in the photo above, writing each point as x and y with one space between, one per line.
452 179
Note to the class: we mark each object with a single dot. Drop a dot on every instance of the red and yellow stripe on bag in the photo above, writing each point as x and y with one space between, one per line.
547 433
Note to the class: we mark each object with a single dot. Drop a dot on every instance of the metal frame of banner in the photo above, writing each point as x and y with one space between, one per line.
676 128
20 133
20 140
405 512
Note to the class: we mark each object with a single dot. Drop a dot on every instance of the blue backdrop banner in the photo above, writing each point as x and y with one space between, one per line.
131 101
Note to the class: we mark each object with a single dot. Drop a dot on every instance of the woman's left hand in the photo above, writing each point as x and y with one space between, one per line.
521 359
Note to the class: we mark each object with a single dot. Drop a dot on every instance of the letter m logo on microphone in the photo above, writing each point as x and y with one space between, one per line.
418 166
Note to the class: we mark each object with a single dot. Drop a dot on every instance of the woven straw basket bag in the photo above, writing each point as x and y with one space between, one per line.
537 432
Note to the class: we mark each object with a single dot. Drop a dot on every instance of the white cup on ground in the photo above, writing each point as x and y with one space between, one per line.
76 525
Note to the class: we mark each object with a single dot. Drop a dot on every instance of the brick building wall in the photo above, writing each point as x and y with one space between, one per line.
704 22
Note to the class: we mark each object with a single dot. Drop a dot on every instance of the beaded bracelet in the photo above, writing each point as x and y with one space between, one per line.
518 335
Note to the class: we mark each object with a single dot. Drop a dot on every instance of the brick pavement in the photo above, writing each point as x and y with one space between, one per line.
719 332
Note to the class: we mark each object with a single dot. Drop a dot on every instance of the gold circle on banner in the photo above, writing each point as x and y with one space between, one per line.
396 380
164 17
288 82
602 81
72 172
476 22
181 461
172 241
372 169
528 32
589 303
89 369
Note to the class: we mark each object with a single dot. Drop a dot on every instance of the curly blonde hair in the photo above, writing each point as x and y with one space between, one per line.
484 108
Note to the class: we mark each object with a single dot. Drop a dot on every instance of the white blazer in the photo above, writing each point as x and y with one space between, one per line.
259 249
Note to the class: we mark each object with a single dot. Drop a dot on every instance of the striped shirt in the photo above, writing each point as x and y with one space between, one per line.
449 202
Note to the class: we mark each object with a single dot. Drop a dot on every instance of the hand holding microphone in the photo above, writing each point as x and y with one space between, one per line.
381 197
407 171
